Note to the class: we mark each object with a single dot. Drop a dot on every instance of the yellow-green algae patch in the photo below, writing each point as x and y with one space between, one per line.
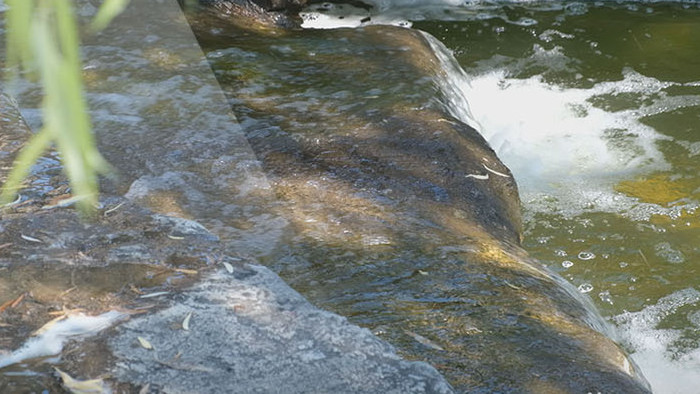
658 189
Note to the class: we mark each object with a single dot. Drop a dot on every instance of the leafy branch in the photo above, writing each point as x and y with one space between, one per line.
42 41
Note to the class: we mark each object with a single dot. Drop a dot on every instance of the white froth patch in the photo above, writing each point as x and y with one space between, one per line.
640 332
567 153
52 336
553 137
334 16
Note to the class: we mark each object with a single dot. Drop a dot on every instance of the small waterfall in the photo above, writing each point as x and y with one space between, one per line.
454 83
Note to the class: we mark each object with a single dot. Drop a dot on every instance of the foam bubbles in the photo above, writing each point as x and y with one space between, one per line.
553 137
640 331
586 256
333 16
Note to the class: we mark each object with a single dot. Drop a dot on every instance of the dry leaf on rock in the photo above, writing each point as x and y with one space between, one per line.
144 343
186 322
75 386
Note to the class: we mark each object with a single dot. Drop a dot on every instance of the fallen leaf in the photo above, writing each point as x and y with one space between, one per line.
145 389
12 303
69 290
512 286
48 325
31 239
156 294
75 386
423 340
186 322
17 301
186 271
144 343
62 201
107 212
65 312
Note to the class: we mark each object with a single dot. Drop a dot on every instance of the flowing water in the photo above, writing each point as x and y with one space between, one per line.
595 107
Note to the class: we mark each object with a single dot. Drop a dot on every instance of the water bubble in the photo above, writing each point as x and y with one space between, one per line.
585 288
567 264
605 297
525 22
560 253
586 256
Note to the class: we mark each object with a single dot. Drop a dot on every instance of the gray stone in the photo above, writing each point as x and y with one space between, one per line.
251 333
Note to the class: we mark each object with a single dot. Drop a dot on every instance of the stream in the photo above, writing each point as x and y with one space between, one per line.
595 109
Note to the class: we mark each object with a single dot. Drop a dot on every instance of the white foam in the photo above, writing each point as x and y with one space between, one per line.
667 373
551 136
332 16
50 342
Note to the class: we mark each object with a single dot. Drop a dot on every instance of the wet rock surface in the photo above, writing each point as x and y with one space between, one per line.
250 332
357 187
263 13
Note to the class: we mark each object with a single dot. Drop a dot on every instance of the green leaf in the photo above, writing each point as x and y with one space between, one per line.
108 11
26 158
18 21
